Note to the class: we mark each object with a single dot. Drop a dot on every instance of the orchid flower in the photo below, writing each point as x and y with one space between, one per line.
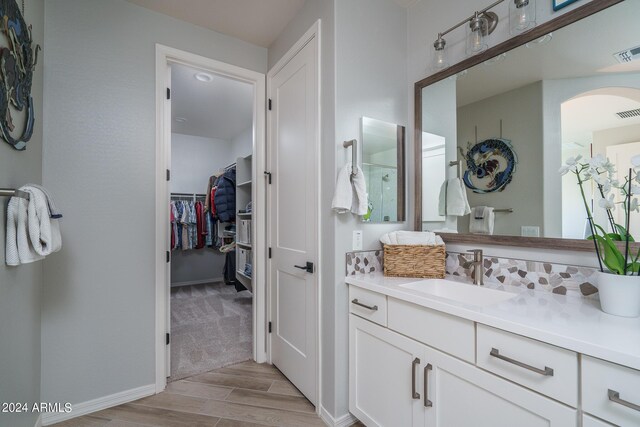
635 206
635 161
571 165
608 203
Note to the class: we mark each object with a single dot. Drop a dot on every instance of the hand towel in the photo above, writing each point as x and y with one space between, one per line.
53 210
457 203
360 205
442 199
343 195
32 234
481 220
411 238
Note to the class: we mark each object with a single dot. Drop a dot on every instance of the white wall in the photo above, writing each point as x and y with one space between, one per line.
21 287
241 144
99 160
521 113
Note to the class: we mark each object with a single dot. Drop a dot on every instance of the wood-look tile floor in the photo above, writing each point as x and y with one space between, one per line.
246 394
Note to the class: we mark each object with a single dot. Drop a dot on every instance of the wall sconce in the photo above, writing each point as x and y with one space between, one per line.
522 15
440 61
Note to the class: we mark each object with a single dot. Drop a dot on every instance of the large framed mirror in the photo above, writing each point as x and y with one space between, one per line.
497 127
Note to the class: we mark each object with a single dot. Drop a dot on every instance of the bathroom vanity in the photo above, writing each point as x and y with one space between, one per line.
449 353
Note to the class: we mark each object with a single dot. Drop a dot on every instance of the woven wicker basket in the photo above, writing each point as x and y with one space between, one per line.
415 261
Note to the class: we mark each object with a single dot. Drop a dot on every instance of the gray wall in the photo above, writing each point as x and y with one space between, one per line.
521 113
21 287
369 54
98 316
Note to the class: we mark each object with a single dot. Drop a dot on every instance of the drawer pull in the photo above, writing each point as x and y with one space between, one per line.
414 393
546 371
368 307
427 402
614 396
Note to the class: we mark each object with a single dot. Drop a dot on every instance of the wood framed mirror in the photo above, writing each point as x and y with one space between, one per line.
451 109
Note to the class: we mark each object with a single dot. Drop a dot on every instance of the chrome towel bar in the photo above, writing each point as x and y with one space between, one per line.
354 155
9 192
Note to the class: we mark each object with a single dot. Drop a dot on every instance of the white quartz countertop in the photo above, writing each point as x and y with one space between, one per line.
573 323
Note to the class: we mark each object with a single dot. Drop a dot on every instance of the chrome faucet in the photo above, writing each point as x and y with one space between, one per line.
478 267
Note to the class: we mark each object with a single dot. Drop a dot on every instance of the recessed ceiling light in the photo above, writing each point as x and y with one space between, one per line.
180 119
203 77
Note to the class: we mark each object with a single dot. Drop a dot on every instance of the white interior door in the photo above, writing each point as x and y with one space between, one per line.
293 217
167 123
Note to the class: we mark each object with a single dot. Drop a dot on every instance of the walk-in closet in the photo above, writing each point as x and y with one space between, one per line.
210 221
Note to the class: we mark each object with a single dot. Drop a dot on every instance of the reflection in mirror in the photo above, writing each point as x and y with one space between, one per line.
512 123
383 167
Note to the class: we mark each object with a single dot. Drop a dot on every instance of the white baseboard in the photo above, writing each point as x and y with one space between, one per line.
343 421
38 421
99 404
197 282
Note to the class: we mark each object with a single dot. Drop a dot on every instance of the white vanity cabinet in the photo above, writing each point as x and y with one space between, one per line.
396 381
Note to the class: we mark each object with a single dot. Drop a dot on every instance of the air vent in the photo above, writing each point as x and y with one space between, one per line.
628 55
629 113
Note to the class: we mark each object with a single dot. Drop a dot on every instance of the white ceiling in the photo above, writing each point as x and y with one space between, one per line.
589 113
583 49
221 108
254 21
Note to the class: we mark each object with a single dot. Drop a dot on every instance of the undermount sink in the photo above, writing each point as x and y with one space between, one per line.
459 292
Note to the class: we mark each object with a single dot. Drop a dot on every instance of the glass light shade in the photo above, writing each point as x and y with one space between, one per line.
440 55
522 15
477 35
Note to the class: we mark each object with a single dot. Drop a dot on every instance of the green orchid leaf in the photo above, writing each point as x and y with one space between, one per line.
622 232
633 267
610 254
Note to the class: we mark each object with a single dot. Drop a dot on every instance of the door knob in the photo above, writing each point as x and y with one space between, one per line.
308 267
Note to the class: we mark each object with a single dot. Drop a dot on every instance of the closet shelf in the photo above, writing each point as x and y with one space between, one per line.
244 245
243 184
244 214
241 273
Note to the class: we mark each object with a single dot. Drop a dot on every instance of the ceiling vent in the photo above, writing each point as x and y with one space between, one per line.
629 113
628 55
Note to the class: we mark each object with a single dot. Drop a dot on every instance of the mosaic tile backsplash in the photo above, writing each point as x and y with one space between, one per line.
557 278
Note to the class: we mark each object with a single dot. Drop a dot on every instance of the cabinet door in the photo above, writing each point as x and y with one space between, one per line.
384 376
463 395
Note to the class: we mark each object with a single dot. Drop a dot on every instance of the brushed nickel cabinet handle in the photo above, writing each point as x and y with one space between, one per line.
368 307
427 402
414 393
614 396
546 371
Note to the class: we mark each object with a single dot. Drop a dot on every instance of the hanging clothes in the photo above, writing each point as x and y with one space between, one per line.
200 225
225 196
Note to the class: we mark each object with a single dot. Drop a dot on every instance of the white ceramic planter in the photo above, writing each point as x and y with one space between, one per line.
619 295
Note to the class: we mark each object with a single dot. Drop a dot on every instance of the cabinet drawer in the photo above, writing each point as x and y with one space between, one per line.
588 421
598 377
369 305
450 334
547 369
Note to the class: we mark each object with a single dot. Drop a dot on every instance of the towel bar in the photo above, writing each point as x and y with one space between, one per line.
8 192
354 155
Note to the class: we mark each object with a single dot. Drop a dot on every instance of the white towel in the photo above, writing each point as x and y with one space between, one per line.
343 195
456 198
360 204
31 233
442 199
344 199
411 238
481 220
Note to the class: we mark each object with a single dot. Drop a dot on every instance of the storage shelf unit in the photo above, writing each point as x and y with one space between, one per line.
243 240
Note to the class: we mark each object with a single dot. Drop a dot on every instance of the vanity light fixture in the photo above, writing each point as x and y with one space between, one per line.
522 16
480 25
541 41
203 77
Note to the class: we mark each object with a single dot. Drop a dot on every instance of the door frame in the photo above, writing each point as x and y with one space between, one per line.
165 56
314 32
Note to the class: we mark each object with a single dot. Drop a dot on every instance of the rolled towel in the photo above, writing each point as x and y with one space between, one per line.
411 238
360 205
343 194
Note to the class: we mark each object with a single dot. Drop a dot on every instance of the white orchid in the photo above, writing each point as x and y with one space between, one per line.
601 180
635 161
598 161
571 165
606 187
608 203
635 206
635 189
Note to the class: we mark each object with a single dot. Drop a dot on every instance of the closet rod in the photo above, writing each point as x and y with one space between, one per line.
189 194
